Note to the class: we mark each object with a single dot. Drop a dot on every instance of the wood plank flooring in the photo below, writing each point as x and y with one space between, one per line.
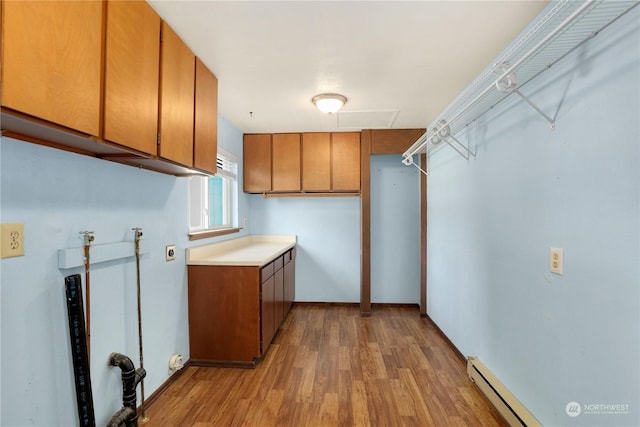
328 366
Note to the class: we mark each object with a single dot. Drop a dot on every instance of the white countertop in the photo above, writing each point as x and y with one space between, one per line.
253 250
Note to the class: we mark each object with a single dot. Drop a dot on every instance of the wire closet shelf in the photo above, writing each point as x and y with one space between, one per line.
565 26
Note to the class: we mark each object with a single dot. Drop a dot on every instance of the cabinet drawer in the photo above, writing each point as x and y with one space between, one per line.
278 263
266 272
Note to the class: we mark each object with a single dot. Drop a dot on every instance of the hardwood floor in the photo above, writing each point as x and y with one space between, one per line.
328 366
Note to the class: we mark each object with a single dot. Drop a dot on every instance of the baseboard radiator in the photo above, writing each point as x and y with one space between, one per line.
506 403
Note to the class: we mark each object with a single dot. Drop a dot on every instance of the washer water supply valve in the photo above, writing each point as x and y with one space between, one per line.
175 363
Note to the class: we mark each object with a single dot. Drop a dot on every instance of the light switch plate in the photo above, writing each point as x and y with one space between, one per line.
12 236
556 261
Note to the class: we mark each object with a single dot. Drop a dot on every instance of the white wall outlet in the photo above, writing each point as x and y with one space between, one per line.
12 239
244 222
170 252
555 261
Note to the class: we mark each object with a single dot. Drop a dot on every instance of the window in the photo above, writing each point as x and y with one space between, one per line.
213 199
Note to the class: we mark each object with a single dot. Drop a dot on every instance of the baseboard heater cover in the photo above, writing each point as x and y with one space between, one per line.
502 399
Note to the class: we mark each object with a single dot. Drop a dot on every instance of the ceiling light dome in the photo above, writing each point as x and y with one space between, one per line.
329 102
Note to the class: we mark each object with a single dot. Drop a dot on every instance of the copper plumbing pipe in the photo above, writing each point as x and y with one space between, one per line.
88 238
137 235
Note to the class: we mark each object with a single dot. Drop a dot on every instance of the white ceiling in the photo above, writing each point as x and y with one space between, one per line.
394 60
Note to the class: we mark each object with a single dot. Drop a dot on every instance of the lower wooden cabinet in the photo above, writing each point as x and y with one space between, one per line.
235 311
289 280
268 311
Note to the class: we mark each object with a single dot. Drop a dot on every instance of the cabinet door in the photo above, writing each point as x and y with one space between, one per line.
52 61
268 312
132 73
279 298
285 151
177 75
206 119
257 163
289 281
345 161
316 162
224 313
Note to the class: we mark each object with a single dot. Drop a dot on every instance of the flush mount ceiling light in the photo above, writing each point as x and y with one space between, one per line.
329 102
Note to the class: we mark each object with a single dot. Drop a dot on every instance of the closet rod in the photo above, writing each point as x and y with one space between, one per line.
526 56
422 142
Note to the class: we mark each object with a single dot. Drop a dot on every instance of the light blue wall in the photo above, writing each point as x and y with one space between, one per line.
328 230
56 195
551 339
328 250
395 237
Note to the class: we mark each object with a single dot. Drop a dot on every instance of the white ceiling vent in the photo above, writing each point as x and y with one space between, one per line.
376 119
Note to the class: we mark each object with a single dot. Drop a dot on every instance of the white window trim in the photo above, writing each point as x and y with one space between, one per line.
227 168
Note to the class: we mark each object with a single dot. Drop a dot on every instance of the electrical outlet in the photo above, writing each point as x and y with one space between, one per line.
244 222
12 240
170 252
555 261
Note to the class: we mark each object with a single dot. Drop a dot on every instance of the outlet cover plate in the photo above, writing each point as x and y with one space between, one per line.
170 252
12 236
556 261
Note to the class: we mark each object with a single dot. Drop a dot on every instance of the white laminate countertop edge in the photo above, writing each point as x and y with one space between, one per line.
252 250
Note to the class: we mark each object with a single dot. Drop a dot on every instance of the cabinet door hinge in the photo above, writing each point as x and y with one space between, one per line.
161 39
158 140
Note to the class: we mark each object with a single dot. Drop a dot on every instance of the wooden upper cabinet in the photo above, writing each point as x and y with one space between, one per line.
312 162
345 161
177 78
285 152
206 120
257 163
131 76
316 161
52 61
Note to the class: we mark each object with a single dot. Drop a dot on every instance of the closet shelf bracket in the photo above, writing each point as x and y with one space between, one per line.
426 172
535 107
443 133
508 83
466 153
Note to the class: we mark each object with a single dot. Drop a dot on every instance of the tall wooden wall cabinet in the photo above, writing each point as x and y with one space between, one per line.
132 75
94 77
205 138
52 71
177 83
